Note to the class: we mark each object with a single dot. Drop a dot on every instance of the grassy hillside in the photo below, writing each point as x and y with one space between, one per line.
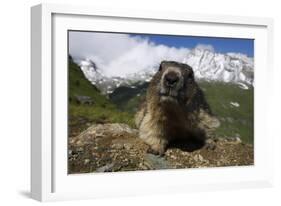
79 85
101 111
235 121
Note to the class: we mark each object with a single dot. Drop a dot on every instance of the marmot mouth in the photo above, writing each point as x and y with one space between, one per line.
168 94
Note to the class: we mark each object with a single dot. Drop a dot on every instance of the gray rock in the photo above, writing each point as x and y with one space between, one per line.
210 144
117 146
106 168
84 100
238 140
156 162
128 146
80 149
102 130
86 161
198 158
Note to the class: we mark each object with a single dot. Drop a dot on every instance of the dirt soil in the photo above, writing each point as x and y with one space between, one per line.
116 147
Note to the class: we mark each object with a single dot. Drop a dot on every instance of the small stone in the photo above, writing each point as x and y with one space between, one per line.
234 140
79 143
80 149
237 139
72 141
156 162
117 146
198 158
143 167
210 144
86 161
173 156
128 146
106 168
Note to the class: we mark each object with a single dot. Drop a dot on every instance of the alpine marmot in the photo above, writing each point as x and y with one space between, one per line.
175 108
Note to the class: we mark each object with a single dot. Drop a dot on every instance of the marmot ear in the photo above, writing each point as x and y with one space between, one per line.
191 74
161 66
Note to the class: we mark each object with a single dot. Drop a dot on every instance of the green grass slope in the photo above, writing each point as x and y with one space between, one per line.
235 121
101 111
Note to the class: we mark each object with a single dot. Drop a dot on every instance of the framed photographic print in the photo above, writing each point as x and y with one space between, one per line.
136 102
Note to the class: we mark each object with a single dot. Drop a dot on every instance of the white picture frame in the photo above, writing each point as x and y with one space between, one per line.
49 179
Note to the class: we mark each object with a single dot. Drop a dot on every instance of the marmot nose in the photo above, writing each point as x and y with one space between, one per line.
171 79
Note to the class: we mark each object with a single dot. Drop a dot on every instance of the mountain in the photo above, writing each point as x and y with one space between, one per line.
207 65
88 105
106 84
230 67
79 85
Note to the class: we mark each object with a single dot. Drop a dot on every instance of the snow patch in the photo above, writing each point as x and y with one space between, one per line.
242 85
235 104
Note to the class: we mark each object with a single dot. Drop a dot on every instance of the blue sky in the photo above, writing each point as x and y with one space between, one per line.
221 45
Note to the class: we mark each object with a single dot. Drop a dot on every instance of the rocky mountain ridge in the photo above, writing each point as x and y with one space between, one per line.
207 65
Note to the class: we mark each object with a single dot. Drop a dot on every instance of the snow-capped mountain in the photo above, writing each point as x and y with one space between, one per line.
207 65
108 84
230 67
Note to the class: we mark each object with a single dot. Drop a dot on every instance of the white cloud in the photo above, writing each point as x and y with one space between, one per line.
121 54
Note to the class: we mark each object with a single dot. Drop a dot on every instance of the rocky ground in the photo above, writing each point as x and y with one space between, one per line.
116 147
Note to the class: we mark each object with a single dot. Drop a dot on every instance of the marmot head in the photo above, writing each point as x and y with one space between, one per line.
176 82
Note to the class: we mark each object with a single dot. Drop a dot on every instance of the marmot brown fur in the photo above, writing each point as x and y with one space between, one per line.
175 108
